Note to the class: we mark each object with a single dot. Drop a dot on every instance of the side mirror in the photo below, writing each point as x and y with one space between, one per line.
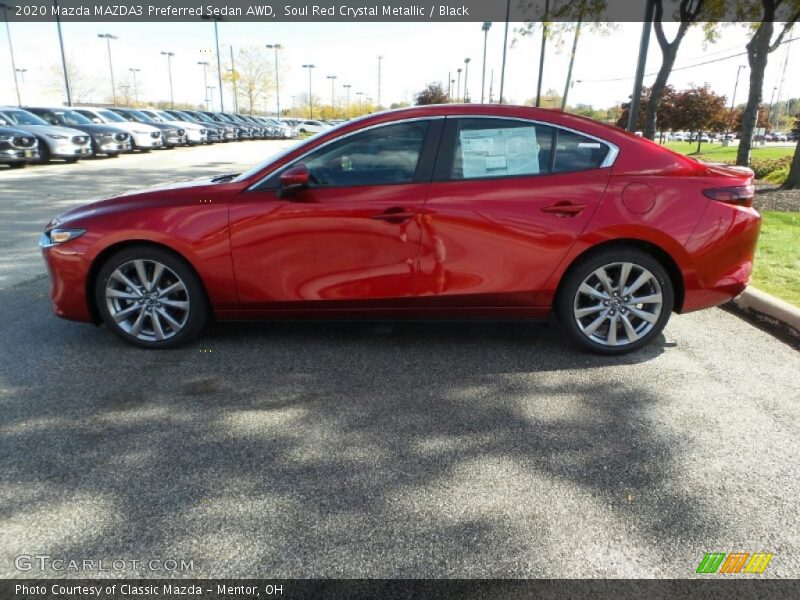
293 180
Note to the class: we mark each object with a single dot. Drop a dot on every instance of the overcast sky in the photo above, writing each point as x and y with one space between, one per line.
414 55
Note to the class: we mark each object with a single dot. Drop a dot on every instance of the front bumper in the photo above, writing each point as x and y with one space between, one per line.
146 140
9 155
68 269
70 150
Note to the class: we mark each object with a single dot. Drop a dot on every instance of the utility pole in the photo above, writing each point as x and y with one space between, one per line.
216 20
485 28
568 84
644 43
735 85
347 86
205 66
458 87
505 47
380 59
466 74
333 95
541 53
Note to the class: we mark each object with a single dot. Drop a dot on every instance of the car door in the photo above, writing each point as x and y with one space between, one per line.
352 235
508 199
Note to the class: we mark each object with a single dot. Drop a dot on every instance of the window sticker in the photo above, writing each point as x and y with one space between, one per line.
492 152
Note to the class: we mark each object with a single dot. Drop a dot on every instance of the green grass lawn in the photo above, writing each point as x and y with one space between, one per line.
716 152
777 264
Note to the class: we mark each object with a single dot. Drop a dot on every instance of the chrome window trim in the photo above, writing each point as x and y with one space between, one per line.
608 161
337 139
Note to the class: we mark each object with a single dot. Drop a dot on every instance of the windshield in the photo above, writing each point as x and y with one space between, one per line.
70 117
203 117
164 115
22 117
141 116
110 116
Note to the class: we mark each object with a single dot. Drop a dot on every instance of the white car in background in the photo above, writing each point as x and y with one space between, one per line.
144 137
311 126
195 134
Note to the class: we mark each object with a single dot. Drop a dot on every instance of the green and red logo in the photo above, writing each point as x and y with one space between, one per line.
734 562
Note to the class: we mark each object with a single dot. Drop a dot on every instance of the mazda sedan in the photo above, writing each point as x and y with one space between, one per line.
449 211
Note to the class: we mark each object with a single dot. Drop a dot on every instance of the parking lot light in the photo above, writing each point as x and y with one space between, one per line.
277 47
205 64
466 74
347 86
108 37
458 87
310 97
360 103
11 51
333 95
169 56
485 28
134 71
63 54
217 19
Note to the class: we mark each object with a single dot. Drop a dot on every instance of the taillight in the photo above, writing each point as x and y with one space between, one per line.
740 195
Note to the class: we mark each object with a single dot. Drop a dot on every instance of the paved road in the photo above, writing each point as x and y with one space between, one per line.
402 449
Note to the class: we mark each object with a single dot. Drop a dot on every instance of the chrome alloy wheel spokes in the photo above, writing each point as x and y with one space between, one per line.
618 304
147 300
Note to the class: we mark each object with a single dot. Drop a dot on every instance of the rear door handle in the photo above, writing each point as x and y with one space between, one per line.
395 215
565 209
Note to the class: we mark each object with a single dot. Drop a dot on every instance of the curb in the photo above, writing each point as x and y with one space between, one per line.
773 314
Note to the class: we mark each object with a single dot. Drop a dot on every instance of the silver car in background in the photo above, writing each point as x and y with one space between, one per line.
144 137
54 142
195 134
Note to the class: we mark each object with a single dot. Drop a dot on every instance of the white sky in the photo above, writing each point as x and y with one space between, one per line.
414 54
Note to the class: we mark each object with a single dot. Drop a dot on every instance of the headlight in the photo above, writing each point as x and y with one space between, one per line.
59 236
56 136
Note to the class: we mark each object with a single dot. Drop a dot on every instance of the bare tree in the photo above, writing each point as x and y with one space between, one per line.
253 77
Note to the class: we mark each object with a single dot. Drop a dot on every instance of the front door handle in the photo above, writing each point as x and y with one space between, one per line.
395 215
565 209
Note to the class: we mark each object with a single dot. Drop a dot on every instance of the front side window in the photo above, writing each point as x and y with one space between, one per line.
381 156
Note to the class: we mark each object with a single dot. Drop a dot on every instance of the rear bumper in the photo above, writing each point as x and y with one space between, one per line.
722 249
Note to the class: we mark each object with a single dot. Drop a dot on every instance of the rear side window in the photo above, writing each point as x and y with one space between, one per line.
498 148
488 148
575 152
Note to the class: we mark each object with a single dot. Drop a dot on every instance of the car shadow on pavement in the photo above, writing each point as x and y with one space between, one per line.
399 449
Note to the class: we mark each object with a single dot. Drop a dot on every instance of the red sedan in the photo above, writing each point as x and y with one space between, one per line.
442 211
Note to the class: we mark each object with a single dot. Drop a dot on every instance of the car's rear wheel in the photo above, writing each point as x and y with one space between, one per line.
151 298
615 301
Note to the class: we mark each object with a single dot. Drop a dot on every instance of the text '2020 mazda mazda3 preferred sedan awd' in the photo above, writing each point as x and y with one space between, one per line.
441 211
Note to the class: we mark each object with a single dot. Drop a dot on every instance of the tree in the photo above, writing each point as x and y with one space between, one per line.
81 85
252 78
689 12
698 109
793 179
758 50
433 94
665 116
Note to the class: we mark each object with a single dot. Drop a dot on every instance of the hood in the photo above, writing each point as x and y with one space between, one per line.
98 128
130 126
178 192
51 130
15 131
185 125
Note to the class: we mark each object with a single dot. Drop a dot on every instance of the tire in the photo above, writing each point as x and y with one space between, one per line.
587 313
44 154
70 161
17 165
145 318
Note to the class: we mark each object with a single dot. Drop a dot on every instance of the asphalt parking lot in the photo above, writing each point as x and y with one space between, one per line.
378 449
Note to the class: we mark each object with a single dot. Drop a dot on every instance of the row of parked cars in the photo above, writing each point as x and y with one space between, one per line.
42 134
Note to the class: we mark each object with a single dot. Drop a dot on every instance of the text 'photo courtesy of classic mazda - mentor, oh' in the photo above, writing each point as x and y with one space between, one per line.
455 211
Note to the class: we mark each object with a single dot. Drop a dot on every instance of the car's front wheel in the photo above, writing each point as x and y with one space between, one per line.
615 301
150 297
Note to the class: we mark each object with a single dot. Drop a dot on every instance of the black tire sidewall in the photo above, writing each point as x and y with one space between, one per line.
198 302
582 269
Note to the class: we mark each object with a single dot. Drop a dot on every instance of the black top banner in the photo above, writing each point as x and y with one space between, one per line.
371 11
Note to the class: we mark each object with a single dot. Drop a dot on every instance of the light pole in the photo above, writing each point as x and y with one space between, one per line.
458 87
733 97
216 20
108 37
310 97
466 74
360 103
205 66
380 60
485 28
505 47
63 55
21 82
135 86
347 86
769 110
11 50
234 77
169 56
277 47
449 88
210 93
333 95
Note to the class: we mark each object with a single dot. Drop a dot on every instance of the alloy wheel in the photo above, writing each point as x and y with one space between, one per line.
618 304
147 300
